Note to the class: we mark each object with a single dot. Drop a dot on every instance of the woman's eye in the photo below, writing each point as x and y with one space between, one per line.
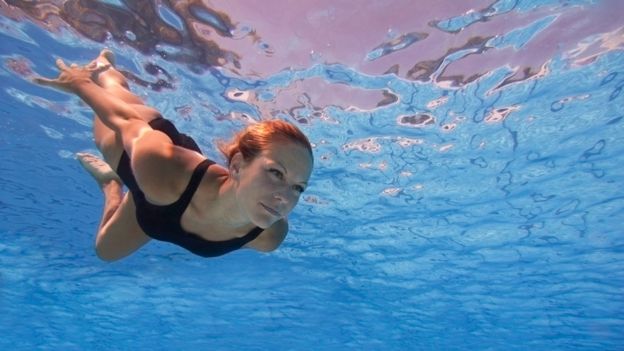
299 189
277 173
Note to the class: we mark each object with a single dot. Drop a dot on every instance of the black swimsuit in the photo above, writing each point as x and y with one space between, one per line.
164 222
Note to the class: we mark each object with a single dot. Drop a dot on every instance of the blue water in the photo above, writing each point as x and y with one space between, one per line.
475 213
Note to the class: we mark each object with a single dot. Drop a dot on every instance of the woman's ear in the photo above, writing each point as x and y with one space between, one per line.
236 164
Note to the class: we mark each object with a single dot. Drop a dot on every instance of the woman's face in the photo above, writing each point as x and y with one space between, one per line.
269 186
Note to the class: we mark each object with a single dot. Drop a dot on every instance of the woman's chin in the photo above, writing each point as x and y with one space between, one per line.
263 221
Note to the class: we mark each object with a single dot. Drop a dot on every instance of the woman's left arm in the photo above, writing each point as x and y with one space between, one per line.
271 238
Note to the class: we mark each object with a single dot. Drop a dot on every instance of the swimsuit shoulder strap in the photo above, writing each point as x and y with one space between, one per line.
193 184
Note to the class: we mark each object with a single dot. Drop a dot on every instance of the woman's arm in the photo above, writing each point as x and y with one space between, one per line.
271 238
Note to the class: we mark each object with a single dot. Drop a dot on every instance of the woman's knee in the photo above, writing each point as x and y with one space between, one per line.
118 245
108 249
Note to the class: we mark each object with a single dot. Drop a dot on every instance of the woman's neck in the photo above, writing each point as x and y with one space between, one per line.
221 206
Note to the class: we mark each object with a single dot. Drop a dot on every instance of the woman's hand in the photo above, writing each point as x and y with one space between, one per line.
70 78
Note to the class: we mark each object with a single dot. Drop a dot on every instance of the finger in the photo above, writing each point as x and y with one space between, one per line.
61 65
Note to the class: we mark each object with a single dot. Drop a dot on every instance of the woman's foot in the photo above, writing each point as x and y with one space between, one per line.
99 170
108 77
106 57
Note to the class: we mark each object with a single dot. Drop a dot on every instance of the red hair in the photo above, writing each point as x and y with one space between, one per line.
258 136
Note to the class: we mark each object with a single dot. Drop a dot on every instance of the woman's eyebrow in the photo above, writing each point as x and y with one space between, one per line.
286 172
285 169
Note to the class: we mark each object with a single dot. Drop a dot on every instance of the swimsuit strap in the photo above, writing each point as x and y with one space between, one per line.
252 235
193 184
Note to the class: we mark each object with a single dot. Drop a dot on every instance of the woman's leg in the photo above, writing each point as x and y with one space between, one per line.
118 233
115 84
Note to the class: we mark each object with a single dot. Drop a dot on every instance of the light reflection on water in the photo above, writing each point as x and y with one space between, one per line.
467 193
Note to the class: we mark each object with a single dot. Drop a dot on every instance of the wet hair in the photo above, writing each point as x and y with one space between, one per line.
255 138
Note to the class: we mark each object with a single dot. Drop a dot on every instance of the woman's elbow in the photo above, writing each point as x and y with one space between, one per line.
106 255
265 247
272 247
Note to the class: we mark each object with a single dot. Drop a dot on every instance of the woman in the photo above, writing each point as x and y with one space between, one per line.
176 194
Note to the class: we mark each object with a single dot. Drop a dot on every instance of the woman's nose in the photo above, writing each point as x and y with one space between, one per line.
284 196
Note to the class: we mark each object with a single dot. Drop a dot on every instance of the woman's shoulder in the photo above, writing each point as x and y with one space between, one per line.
163 174
212 180
216 169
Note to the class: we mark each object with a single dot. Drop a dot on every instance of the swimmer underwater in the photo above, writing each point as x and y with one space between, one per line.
175 194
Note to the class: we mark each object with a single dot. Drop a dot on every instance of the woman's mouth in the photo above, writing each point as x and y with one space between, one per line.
270 210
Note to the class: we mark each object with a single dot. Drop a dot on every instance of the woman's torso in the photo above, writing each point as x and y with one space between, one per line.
187 221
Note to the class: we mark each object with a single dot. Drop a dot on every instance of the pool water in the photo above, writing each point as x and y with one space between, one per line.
467 193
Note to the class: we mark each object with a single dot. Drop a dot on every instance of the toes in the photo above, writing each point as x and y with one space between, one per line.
98 168
89 159
60 64
99 68
41 81
109 55
85 155
106 57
